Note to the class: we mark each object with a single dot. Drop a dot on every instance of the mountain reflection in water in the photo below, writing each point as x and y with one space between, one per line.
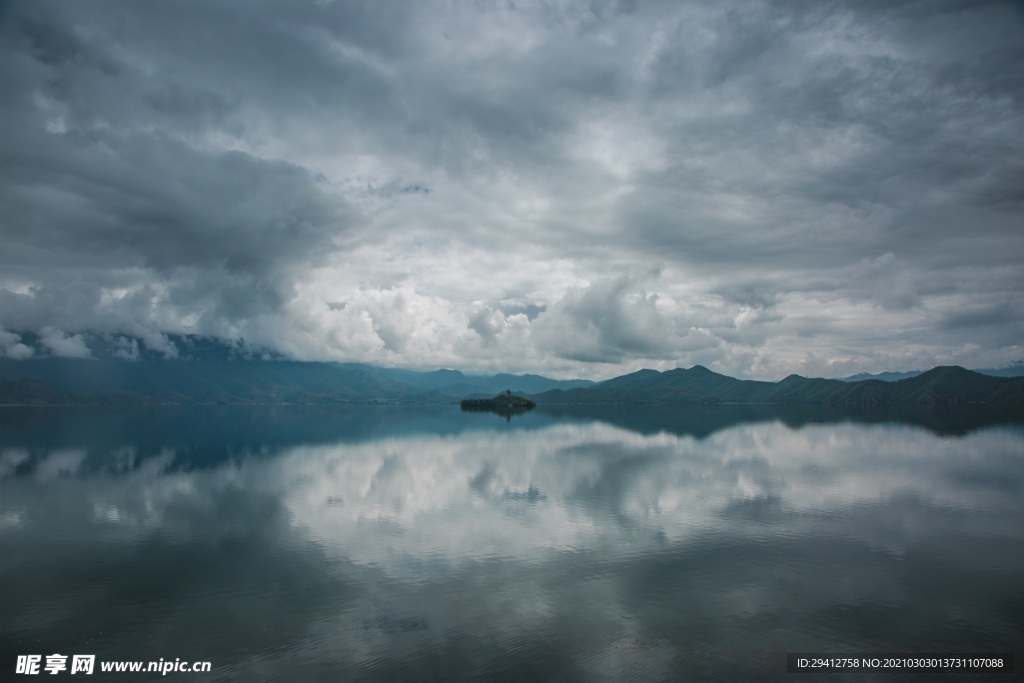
578 543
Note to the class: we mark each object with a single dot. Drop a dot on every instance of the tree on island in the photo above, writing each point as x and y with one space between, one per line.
507 402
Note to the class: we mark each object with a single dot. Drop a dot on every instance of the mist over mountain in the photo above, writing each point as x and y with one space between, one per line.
120 371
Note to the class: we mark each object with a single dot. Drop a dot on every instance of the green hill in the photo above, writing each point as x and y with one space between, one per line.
698 385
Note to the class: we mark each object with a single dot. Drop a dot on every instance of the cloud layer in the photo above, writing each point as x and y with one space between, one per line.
561 187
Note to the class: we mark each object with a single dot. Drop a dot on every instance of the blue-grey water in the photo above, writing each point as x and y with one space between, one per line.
585 544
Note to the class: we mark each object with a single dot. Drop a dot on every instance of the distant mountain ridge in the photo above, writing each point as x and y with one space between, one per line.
1016 370
698 385
882 376
216 380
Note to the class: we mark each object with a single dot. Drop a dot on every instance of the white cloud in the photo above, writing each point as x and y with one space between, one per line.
63 344
13 347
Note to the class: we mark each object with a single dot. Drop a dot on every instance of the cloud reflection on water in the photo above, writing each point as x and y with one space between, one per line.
507 545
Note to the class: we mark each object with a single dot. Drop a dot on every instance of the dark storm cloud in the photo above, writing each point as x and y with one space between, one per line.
759 294
430 184
211 224
107 194
821 146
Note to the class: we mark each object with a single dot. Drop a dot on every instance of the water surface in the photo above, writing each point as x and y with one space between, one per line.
577 544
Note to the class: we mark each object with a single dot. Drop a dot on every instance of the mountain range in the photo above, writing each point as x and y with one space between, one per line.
211 380
1015 370
698 385
250 381
190 369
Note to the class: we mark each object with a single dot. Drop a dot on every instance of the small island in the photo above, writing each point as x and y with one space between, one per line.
502 403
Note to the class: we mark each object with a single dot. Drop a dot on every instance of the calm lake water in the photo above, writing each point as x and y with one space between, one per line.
601 544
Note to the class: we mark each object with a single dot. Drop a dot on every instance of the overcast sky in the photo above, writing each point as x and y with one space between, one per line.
569 188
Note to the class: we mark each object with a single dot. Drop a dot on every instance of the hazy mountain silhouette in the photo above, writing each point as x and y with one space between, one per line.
698 385
1015 370
241 381
221 380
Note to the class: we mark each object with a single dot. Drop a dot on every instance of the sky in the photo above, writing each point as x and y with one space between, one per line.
570 188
